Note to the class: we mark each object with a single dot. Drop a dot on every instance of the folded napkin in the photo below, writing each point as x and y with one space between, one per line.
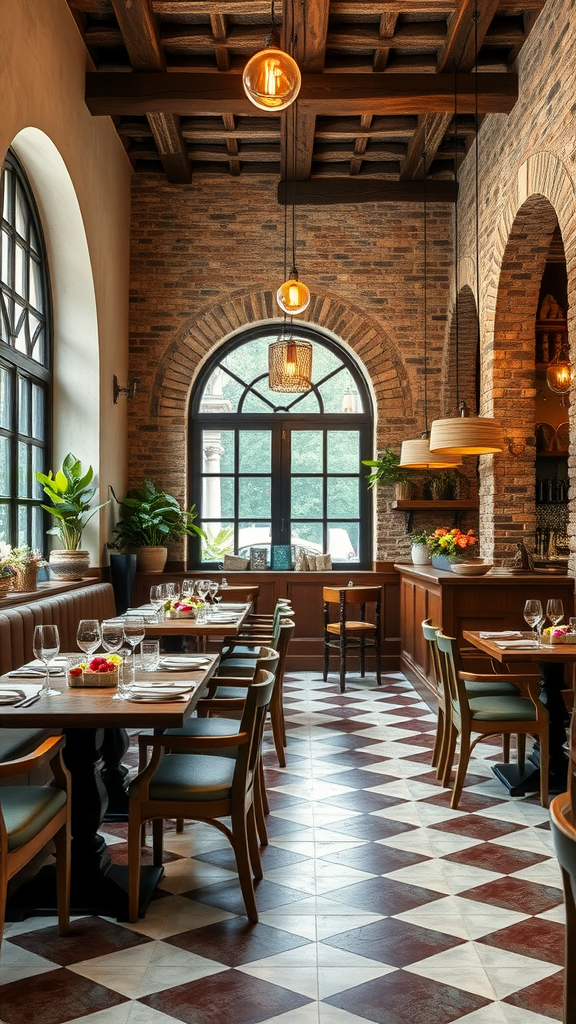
11 696
29 671
504 644
501 635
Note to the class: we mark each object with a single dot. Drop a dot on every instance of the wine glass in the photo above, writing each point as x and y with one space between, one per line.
202 588
89 635
134 632
112 640
46 645
187 588
173 590
158 598
555 610
533 614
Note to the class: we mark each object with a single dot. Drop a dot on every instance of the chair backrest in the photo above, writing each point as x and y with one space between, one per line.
344 596
286 633
239 593
572 764
450 665
253 718
433 668
268 659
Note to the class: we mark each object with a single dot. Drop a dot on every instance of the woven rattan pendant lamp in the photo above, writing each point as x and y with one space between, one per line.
466 434
416 454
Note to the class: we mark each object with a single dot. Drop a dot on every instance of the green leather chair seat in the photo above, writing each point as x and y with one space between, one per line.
502 709
27 809
209 727
193 778
237 667
230 693
490 689
16 743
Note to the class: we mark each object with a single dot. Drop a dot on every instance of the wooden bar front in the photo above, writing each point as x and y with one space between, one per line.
455 603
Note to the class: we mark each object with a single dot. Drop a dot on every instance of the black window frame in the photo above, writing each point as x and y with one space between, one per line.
281 419
20 366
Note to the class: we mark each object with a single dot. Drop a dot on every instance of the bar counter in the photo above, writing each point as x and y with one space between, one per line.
455 603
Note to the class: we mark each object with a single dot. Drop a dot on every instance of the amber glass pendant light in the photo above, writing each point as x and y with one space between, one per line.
560 375
271 78
416 454
466 434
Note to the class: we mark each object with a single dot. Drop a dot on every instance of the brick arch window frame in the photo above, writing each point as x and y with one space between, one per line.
281 477
25 360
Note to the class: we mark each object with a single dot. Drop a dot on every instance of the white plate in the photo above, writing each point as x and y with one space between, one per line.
157 690
145 698
180 664
12 696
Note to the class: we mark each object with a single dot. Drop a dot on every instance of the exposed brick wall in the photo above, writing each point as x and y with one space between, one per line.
527 178
206 261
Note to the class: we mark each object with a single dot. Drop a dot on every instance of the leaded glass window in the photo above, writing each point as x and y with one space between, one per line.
24 361
275 469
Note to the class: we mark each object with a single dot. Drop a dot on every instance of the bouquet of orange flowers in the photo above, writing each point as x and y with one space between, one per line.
452 543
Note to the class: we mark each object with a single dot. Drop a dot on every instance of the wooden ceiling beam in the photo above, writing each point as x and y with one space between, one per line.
137 23
111 93
304 33
381 54
455 52
334 190
166 8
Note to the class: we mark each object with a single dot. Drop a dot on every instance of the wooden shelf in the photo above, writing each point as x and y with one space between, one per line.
560 454
547 324
420 504
411 505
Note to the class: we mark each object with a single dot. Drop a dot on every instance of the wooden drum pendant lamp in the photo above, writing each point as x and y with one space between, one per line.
416 454
466 434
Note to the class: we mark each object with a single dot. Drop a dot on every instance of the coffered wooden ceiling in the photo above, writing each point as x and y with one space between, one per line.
379 79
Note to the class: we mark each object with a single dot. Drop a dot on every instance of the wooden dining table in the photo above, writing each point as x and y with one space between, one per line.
213 627
82 714
550 660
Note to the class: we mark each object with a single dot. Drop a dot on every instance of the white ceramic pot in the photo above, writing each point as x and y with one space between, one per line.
420 554
68 565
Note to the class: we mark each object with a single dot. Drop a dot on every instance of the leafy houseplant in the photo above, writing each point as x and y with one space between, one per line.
26 563
447 484
387 470
148 519
70 492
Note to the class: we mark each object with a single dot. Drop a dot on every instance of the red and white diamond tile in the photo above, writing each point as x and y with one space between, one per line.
379 903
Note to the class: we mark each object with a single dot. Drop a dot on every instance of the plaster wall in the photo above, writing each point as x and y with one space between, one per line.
81 179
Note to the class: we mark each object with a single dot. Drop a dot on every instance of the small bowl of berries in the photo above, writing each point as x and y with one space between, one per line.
98 672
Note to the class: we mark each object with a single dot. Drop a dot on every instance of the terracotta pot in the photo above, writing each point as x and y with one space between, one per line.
151 559
69 565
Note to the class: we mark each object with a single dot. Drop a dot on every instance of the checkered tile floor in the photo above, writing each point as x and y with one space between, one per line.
379 903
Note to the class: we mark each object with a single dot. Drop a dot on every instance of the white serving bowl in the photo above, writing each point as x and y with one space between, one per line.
471 568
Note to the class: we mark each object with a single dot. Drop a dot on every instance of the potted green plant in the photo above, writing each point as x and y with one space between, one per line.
447 484
26 563
70 491
387 470
148 519
419 551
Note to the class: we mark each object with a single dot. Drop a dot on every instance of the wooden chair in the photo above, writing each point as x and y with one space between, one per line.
240 593
182 781
351 634
562 810
490 685
30 816
489 715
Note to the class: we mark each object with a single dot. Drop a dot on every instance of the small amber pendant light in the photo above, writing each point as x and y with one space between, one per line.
271 78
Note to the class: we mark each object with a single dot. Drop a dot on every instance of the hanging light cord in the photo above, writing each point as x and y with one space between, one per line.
425 233
294 142
477 174
456 243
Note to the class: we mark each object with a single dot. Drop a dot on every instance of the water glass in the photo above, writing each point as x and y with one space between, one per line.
46 645
123 680
134 632
555 610
158 598
89 635
149 655
533 614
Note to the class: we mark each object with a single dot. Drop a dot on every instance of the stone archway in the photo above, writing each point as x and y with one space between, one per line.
460 351
350 325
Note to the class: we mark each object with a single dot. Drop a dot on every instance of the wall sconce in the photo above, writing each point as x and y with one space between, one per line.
129 390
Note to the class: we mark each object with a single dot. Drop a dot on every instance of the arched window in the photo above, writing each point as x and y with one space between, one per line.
281 471
25 361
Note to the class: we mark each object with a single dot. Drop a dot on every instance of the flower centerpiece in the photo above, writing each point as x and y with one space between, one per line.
447 546
6 571
99 672
26 562
183 608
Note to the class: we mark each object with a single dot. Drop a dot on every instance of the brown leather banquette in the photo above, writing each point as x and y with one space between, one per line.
16 632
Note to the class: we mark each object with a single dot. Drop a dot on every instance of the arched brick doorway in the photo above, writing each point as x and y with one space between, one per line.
507 489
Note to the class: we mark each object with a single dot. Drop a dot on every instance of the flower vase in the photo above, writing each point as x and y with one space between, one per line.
442 562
